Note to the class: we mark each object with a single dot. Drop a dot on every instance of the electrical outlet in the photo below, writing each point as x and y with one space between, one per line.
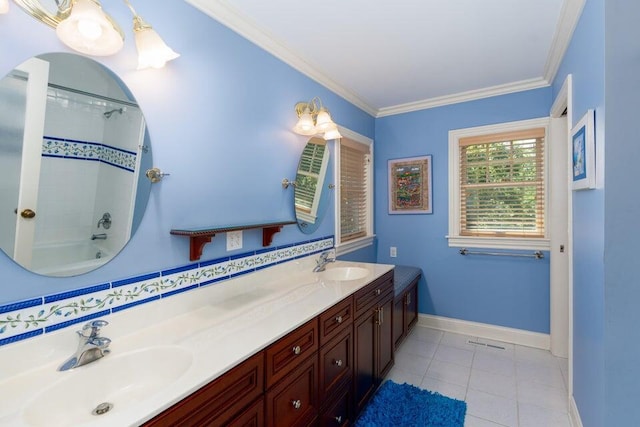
393 252
234 240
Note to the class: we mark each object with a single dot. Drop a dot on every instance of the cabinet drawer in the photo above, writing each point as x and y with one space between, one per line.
336 363
219 400
336 319
288 352
253 416
367 296
338 411
294 401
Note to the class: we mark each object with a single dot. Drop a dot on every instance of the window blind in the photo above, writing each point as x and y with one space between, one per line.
354 159
307 177
502 184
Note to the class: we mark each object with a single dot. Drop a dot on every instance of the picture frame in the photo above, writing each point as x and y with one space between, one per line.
583 153
410 185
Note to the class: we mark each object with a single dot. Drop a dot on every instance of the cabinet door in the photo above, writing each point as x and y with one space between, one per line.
338 411
385 343
336 364
398 320
253 416
294 400
364 382
411 306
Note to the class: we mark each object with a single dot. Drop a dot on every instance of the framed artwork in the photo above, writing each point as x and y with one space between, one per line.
583 153
410 189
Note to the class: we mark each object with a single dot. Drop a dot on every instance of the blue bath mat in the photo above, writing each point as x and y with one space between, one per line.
409 406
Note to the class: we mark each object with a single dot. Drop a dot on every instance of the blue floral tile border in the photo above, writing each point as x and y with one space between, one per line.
84 150
36 316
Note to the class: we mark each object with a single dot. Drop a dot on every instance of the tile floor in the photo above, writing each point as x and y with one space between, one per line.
515 386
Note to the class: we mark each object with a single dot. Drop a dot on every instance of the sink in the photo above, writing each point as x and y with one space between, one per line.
345 273
121 380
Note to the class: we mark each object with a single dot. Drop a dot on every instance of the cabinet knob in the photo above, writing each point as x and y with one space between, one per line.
297 404
297 350
338 419
378 291
338 362
338 319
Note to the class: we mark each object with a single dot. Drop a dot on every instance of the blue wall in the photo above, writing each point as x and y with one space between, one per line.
219 118
496 290
622 210
584 59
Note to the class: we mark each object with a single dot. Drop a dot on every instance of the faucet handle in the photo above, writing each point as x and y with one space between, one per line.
101 342
93 326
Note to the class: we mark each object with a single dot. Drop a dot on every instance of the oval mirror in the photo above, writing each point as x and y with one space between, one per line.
72 144
311 199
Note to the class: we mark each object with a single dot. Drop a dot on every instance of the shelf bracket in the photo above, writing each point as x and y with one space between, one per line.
267 234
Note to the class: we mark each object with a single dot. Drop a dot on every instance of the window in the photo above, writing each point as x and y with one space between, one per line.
498 186
354 207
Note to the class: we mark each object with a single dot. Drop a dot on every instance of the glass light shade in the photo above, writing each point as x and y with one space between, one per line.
89 30
323 121
332 133
152 50
4 6
305 124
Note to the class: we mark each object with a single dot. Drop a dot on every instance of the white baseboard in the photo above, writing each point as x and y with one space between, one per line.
574 415
484 330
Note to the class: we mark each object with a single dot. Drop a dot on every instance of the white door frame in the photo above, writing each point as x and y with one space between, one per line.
564 101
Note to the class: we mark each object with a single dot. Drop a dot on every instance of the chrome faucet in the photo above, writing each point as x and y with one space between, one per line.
91 346
101 236
322 261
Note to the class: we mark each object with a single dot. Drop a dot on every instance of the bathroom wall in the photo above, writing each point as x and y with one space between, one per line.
502 291
584 59
219 120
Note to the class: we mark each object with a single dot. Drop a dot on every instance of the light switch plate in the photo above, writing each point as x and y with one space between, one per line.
393 252
234 240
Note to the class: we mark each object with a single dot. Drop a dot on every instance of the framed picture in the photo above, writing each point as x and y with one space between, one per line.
410 189
583 153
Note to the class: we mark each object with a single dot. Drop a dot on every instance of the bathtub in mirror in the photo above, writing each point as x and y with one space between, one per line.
73 142
311 195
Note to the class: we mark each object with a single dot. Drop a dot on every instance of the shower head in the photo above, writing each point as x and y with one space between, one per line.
108 114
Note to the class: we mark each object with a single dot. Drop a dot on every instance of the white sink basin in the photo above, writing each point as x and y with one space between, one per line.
121 380
345 273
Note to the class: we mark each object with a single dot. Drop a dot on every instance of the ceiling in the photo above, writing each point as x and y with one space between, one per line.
390 57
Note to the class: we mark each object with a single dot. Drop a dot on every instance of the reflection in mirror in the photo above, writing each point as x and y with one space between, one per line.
310 198
72 142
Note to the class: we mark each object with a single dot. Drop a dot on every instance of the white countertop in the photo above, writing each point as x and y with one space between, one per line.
216 327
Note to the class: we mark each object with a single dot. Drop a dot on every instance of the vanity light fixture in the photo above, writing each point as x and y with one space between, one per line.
4 6
85 27
313 119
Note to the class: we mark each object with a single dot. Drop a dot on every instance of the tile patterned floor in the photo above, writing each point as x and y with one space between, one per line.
503 384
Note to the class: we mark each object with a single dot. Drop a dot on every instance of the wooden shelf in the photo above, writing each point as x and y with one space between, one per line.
198 237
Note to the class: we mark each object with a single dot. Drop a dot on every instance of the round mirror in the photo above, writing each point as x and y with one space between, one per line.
73 143
311 198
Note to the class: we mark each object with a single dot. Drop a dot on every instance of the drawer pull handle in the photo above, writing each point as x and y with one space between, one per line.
338 319
408 299
338 419
297 404
297 350
338 362
378 291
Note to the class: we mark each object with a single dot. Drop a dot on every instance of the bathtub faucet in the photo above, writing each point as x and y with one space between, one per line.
101 236
91 346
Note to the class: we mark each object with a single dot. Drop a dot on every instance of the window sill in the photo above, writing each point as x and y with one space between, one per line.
354 245
498 243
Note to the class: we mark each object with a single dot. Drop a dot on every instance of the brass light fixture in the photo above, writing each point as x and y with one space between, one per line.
314 119
85 27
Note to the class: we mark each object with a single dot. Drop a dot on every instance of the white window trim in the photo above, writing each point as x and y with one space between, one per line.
454 237
362 242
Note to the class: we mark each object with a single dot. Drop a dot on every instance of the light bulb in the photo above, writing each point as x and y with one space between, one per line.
4 6
90 29
305 124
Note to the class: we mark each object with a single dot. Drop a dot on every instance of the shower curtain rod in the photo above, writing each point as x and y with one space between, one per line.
79 92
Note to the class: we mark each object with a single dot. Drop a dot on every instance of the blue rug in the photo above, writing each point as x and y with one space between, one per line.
404 405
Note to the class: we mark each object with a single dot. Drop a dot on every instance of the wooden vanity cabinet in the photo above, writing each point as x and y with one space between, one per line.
373 338
405 312
322 373
222 401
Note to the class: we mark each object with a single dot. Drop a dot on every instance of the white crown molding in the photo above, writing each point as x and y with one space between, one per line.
464 97
567 22
229 17
221 11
